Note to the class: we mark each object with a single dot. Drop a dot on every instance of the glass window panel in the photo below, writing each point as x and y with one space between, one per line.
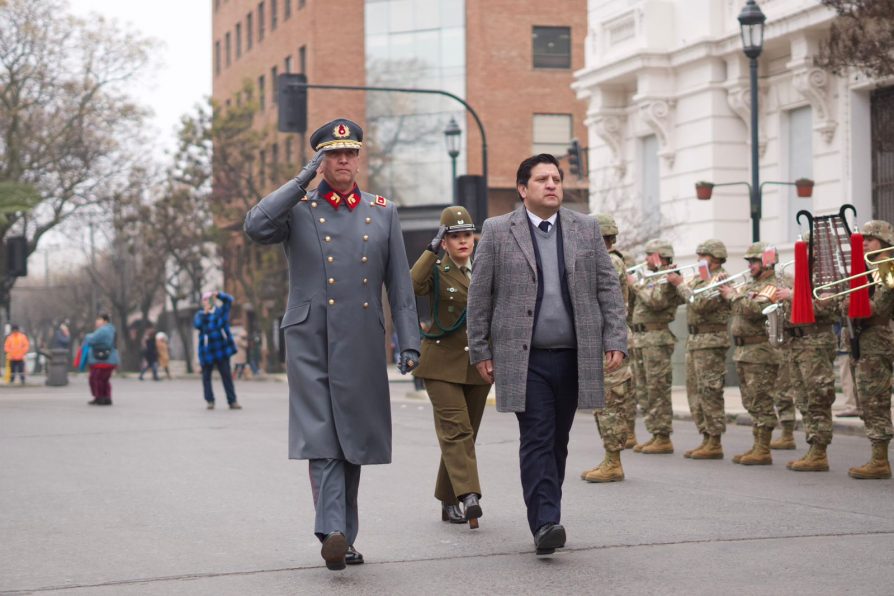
453 48
453 13
651 182
800 165
400 16
376 18
552 47
425 16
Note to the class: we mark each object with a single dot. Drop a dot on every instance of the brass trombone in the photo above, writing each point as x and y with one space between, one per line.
876 263
740 280
680 270
882 274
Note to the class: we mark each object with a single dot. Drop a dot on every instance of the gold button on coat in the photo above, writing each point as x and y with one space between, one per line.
366 305
365 237
365 280
363 260
313 204
322 220
330 259
368 220
331 281
328 238
331 301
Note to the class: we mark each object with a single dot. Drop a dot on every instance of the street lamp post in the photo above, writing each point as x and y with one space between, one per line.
451 138
751 22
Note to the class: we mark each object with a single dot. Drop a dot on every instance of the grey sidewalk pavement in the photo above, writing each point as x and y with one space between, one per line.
157 495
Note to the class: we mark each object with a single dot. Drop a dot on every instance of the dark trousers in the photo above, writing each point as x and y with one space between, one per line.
100 384
17 367
223 366
153 366
544 426
335 484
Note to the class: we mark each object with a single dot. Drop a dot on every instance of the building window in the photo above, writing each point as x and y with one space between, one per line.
287 8
238 40
261 93
249 31
552 47
651 183
217 57
274 82
302 60
287 64
227 43
273 15
800 165
552 133
260 22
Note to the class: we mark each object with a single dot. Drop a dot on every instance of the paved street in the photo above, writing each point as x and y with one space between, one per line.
156 495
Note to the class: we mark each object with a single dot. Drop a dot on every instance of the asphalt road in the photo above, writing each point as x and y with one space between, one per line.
156 495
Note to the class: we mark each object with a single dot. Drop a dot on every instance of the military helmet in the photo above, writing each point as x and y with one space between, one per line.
662 247
756 250
880 229
715 248
607 225
457 219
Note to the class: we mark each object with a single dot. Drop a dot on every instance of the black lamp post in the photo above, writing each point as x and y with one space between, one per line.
451 137
751 22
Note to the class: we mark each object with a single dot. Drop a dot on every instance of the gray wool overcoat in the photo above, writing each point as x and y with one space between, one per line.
500 318
339 405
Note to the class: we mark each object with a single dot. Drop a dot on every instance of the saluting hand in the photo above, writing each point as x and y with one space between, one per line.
435 244
309 171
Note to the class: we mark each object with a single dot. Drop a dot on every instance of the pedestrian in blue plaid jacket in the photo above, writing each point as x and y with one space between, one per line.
216 345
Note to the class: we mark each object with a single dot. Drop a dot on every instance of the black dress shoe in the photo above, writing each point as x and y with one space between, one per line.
548 538
450 513
471 506
335 547
352 557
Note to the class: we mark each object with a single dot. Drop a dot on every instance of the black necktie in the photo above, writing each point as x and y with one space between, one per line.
544 225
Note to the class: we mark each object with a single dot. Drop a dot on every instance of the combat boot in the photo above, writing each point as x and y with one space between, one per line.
712 449
638 448
878 467
814 460
693 450
737 459
661 445
631 435
787 440
583 475
760 455
609 471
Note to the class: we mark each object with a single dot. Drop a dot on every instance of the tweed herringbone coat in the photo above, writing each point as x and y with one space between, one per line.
503 296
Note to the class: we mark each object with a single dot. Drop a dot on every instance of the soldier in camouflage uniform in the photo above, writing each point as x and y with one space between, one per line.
612 421
809 359
874 361
787 392
707 317
656 306
757 362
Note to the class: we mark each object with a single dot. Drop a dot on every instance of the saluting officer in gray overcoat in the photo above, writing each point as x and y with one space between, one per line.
342 246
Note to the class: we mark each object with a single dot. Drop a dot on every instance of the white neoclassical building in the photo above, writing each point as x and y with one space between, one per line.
667 88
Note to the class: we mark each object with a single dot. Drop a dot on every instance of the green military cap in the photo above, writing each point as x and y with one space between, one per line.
607 225
756 250
457 219
715 248
338 134
878 228
662 247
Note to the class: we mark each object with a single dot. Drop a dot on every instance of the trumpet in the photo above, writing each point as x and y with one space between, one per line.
679 270
883 274
637 271
783 267
713 288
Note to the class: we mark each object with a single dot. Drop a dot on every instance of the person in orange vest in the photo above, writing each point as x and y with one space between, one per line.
16 347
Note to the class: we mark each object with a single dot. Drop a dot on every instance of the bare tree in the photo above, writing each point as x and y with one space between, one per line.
64 116
861 38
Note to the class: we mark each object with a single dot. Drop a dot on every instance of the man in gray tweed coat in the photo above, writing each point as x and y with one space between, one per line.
545 310
342 245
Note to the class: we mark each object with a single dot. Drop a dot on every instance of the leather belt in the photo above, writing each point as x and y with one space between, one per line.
750 340
640 327
712 328
807 331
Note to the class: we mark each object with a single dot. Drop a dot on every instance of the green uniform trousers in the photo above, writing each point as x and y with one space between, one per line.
705 375
457 411
756 384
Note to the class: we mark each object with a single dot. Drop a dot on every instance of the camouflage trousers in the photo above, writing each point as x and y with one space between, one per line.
612 420
873 379
786 393
655 378
705 375
813 374
756 382
641 396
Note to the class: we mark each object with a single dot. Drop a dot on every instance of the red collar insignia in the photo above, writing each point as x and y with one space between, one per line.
336 199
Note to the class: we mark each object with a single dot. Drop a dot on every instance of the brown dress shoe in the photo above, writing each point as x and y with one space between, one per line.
335 547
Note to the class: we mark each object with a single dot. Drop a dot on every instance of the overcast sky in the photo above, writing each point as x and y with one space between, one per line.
183 75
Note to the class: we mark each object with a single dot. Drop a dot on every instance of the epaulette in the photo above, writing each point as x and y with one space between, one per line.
381 201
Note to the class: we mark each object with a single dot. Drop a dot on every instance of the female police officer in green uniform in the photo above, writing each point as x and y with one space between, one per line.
457 392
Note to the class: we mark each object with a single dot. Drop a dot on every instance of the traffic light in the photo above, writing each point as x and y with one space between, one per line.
291 97
16 256
575 162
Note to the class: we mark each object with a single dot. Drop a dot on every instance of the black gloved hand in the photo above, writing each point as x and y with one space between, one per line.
435 245
409 359
309 172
